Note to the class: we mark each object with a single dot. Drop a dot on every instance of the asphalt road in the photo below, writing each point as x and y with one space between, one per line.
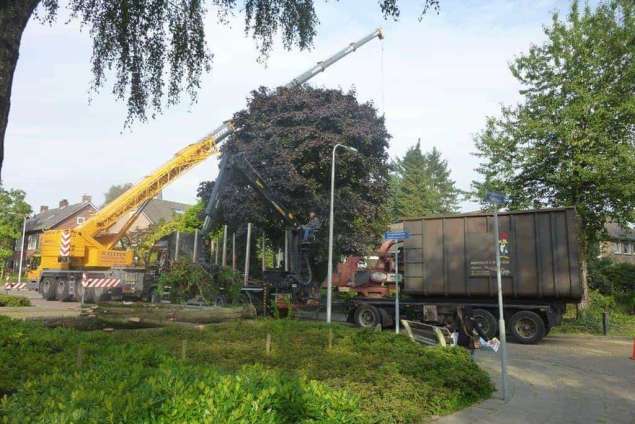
41 308
565 379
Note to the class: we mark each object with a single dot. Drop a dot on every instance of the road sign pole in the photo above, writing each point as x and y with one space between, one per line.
501 318
397 291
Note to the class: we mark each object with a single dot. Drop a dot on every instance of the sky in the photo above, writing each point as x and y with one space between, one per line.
442 76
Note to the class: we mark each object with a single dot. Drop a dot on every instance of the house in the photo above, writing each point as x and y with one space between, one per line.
157 211
63 217
620 243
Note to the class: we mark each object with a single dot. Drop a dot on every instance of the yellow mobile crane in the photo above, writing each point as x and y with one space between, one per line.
84 259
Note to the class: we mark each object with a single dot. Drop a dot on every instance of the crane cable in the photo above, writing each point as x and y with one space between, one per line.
382 82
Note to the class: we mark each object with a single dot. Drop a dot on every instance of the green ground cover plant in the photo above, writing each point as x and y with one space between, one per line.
224 373
589 320
11 301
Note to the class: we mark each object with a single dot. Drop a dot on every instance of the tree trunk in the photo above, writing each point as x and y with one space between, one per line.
14 15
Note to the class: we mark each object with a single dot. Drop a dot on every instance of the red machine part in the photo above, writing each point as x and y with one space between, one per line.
370 282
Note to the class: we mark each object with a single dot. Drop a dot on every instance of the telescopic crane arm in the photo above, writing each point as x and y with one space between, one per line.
92 247
190 156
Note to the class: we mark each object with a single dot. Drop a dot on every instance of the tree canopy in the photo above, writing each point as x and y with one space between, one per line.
421 185
115 191
571 141
158 49
13 210
288 135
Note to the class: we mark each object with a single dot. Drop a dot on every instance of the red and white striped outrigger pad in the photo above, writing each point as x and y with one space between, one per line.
100 282
14 286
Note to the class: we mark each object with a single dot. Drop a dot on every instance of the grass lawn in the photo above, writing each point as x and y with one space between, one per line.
224 374
13 301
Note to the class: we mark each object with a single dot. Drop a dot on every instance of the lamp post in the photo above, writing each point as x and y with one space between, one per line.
329 292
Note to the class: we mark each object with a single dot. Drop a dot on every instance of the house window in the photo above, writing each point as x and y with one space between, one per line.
80 220
617 247
628 248
33 241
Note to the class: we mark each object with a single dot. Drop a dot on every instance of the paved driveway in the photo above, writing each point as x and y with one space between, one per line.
565 379
41 308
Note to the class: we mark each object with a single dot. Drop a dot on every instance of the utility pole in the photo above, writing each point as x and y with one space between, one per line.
22 250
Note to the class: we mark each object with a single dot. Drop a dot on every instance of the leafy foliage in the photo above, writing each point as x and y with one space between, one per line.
187 280
13 209
135 376
187 222
115 191
421 185
571 141
12 301
615 279
589 319
288 135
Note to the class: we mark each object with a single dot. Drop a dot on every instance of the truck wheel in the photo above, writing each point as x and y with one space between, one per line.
486 321
527 327
61 290
367 316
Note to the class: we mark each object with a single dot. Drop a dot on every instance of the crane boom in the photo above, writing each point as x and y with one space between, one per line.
92 248
192 155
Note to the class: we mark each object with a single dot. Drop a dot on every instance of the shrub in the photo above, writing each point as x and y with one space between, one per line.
187 280
589 320
138 376
11 301
614 278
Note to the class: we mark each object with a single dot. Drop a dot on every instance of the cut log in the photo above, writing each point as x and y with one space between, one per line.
166 314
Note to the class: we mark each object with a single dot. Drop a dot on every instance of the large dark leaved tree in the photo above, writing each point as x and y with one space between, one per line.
157 49
288 136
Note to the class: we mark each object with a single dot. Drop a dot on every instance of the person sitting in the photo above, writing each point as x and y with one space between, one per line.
310 227
469 330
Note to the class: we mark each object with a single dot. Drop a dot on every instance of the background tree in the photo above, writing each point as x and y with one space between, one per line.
571 141
157 48
288 136
13 209
115 191
421 185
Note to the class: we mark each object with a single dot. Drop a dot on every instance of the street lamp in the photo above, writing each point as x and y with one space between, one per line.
329 293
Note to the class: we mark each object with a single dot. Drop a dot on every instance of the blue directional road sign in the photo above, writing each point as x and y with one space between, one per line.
396 235
495 198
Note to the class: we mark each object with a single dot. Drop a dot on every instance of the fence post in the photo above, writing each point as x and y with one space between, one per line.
234 251
263 251
605 322
176 249
224 255
286 250
268 344
195 250
247 251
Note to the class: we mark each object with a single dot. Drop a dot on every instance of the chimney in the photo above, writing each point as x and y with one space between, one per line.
63 203
87 198
43 208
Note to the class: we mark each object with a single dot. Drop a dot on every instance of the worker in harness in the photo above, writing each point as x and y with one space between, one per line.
309 229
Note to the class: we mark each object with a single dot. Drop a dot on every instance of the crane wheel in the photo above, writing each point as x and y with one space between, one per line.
47 288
